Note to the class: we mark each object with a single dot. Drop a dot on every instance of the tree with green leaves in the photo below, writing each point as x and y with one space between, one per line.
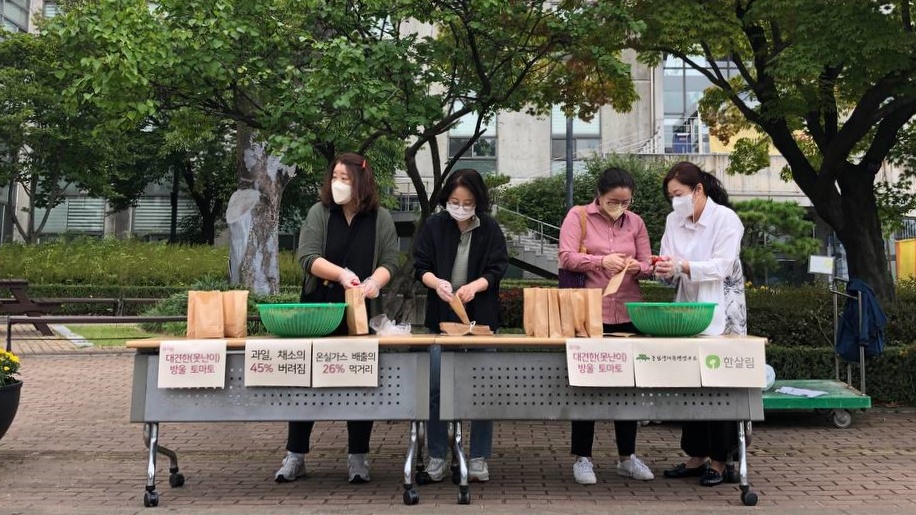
44 148
831 84
772 231
301 81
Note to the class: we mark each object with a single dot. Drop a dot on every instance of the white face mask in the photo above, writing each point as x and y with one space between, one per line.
683 205
460 213
341 192
615 212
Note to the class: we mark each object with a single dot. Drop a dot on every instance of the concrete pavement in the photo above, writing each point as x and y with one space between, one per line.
72 450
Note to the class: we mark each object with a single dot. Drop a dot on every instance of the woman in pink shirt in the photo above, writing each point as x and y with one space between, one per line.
614 238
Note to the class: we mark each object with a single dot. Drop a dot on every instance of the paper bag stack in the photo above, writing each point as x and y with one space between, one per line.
562 312
217 314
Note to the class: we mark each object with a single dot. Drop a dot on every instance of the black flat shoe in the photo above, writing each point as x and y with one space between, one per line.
712 477
683 470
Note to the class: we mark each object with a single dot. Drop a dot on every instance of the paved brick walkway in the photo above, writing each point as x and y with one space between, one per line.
72 450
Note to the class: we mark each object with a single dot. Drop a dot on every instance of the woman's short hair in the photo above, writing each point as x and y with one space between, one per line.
470 179
362 181
614 178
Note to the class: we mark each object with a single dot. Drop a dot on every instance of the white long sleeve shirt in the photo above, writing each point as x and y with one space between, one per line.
712 246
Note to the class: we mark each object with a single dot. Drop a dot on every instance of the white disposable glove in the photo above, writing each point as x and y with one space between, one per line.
348 279
444 290
370 288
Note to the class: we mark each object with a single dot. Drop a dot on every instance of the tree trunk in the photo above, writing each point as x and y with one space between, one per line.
253 216
860 232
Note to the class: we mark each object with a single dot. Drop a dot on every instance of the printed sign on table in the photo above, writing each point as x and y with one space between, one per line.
599 362
666 363
344 362
286 362
192 364
733 363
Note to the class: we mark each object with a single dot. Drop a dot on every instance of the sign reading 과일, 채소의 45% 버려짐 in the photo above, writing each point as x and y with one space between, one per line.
278 362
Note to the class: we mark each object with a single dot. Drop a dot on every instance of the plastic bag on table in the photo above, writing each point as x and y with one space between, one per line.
385 327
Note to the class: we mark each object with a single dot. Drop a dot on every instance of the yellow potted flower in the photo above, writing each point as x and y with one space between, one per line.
10 387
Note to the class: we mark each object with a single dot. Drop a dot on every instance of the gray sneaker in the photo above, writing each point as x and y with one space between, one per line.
293 467
478 470
359 468
436 469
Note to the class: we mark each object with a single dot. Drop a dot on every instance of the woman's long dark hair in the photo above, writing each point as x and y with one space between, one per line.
690 175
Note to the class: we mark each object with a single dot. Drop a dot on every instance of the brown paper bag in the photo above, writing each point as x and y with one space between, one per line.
594 323
555 329
580 308
235 313
528 310
535 312
459 329
205 314
357 320
567 312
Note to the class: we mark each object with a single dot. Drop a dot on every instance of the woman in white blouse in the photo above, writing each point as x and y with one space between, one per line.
700 252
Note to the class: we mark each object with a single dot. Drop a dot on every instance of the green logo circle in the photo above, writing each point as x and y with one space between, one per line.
713 361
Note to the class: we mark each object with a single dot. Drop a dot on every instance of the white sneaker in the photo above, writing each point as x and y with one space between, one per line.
584 471
478 470
635 468
436 469
293 467
359 468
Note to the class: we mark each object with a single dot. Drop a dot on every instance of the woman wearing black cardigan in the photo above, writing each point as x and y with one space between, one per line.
460 251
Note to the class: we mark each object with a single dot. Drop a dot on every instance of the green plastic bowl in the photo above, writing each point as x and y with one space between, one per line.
301 319
671 318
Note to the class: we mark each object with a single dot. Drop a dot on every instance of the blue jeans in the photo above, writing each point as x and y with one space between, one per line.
437 430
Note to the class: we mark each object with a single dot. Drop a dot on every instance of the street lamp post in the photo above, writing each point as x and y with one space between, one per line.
569 162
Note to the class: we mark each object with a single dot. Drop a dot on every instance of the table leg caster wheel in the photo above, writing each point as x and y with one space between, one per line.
842 418
150 499
422 478
464 496
411 497
749 498
176 480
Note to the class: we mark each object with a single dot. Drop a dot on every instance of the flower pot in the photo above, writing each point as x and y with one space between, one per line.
9 405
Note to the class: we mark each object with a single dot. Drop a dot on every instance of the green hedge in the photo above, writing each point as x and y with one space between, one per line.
123 262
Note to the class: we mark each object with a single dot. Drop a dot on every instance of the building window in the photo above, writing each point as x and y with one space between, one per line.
14 15
458 136
50 9
586 139
683 88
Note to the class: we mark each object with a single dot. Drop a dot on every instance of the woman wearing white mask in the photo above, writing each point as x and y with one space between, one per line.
347 241
460 251
615 239
700 253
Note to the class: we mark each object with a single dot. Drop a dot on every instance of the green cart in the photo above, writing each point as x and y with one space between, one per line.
841 397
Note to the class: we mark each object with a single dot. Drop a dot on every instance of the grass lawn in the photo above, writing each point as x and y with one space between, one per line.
110 335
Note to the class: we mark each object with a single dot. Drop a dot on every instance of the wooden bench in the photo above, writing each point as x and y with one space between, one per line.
21 304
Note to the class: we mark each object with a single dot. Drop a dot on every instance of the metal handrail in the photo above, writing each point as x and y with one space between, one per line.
541 227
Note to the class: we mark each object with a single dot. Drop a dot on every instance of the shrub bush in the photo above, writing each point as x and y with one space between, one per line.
123 262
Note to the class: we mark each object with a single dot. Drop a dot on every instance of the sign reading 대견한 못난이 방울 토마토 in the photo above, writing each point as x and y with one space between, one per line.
599 362
192 364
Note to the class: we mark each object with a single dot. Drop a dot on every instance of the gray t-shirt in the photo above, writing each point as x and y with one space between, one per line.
460 268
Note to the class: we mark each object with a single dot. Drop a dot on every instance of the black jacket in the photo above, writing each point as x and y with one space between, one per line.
434 251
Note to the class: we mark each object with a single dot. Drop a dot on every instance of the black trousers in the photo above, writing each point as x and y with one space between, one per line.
358 434
715 439
583 431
